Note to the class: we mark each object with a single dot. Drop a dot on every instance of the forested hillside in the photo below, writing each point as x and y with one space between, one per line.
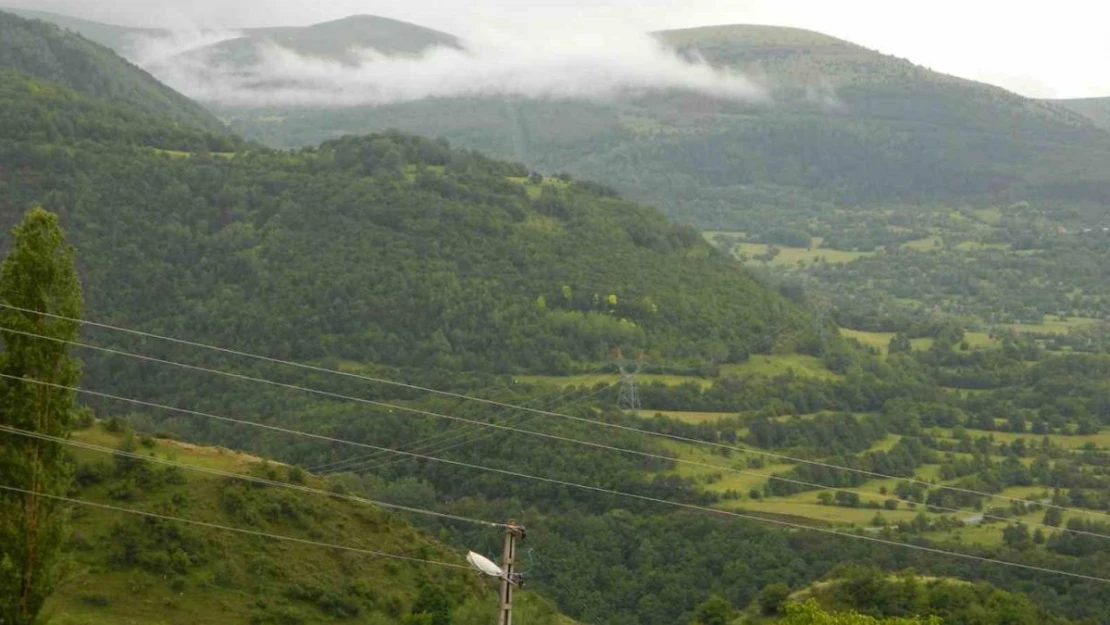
769 447
48 53
846 126
118 38
386 249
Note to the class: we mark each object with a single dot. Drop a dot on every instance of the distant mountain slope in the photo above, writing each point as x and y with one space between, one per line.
49 53
1095 109
339 40
118 38
384 250
847 127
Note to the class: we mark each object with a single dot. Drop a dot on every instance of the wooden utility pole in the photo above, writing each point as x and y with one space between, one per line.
509 579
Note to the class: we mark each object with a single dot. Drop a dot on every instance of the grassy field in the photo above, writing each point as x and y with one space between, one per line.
881 340
758 366
1051 325
733 475
593 379
791 256
1066 441
927 244
780 364
688 417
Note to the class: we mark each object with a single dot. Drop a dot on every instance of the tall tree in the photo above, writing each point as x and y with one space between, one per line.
37 279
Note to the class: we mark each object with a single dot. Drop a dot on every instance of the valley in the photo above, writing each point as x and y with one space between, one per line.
798 330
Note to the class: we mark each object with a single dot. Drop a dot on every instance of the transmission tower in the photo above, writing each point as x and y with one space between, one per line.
820 306
629 397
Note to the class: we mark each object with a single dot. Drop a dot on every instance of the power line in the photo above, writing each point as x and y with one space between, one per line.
450 438
240 476
597 489
654 456
618 426
448 445
165 517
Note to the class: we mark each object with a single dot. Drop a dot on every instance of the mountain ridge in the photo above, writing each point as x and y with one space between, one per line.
50 53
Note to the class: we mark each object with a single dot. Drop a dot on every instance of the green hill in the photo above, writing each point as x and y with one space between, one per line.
49 53
1095 109
125 569
337 40
386 249
118 38
847 127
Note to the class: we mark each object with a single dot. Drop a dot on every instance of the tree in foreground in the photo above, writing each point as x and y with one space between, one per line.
36 277
809 613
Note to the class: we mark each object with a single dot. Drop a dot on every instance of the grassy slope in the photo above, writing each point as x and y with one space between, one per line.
805 505
199 575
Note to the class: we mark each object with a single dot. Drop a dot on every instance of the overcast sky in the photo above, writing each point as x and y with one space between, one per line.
1037 48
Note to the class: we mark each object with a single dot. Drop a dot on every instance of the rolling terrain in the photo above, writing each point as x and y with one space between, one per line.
129 569
512 298
845 127
1095 109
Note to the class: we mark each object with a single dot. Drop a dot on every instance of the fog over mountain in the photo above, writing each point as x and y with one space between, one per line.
1033 48
540 64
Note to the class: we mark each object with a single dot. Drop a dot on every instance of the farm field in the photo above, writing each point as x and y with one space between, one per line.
688 417
791 256
766 366
738 476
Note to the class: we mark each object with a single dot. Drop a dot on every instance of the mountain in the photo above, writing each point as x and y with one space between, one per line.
118 38
336 40
1095 109
846 127
49 53
128 569
382 250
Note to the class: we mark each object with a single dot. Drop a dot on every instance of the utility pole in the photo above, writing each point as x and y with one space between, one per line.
509 578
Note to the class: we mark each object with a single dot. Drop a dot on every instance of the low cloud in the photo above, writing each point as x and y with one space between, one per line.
161 52
548 64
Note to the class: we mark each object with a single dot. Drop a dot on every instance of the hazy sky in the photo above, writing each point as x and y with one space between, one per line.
1037 48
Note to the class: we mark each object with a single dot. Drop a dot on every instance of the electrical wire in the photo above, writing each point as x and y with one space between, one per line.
239 476
675 437
205 524
575 441
591 488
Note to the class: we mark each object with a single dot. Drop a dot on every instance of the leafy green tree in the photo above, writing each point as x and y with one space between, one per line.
38 275
773 597
715 610
809 613
1053 517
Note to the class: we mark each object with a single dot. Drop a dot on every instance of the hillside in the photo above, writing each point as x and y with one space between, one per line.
118 38
386 249
872 592
340 40
847 127
1095 109
46 52
127 569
